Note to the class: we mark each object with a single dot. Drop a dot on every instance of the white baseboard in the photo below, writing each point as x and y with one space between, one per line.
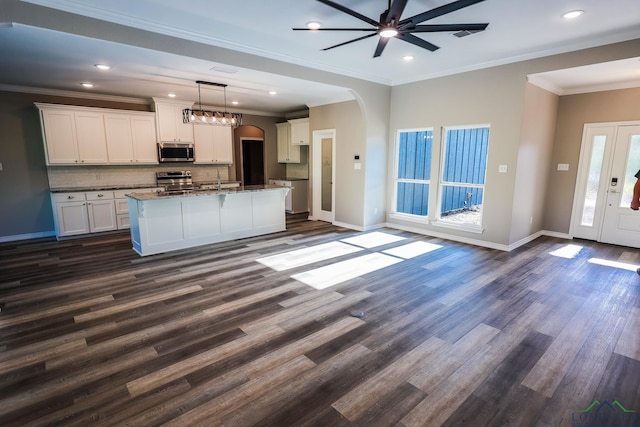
27 236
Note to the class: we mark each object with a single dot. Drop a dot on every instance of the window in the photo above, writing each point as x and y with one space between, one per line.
413 172
464 166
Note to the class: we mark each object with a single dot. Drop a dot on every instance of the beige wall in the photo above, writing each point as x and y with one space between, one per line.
492 96
346 119
534 157
573 112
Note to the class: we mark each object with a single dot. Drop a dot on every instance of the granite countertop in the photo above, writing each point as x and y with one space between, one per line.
290 179
196 193
102 188
126 187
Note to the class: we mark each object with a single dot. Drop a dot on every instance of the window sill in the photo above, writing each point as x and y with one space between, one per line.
471 228
408 217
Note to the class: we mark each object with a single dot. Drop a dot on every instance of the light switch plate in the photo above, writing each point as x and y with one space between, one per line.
563 166
502 168
356 165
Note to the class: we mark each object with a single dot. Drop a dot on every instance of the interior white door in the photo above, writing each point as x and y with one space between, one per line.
621 225
324 148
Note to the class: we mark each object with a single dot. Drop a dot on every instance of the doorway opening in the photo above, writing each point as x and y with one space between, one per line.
252 161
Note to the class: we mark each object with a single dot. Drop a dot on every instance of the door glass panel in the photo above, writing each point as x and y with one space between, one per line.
327 172
633 165
593 180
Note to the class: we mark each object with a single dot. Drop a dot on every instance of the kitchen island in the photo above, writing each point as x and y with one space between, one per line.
162 222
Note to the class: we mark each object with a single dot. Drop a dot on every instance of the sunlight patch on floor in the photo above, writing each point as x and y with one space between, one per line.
300 257
412 250
567 251
614 264
371 240
330 275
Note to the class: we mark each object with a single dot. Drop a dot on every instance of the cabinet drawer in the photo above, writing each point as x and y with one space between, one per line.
122 206
67 197
99 195
123 221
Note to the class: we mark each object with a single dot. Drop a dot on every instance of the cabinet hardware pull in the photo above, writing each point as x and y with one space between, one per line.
70 197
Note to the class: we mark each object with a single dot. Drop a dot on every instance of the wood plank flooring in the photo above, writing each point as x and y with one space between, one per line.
222 335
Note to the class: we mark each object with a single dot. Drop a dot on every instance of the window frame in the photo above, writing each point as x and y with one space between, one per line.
439 220
393 212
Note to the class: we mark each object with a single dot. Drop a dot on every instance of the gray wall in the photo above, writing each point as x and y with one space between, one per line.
24 188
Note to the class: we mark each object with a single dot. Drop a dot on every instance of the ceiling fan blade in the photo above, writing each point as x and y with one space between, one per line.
350 41
395 12
417 41
382 43
350 12
335 29
439 11
446 27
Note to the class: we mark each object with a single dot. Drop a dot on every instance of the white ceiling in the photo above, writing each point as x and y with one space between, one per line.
33 57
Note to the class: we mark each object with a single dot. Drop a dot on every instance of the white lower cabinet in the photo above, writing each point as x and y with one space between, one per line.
70 214
101 211
92 211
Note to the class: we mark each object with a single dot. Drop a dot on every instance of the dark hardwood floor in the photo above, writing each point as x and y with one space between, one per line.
93 334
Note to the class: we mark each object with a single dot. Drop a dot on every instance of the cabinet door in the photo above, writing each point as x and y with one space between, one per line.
145 148
223 144
166 122
284 130
90 134
299 131
102 215
203 140
119 138
71 218
60 136
170 125
184 131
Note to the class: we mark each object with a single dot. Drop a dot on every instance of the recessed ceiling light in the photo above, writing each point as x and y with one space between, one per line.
408 57
87 84
273 92
171 95
102 67
572 14
313 25
235 102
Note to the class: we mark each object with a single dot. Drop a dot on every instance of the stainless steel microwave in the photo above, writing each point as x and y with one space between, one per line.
175 152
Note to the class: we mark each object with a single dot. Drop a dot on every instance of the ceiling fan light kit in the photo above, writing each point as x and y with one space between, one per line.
391 25
211 117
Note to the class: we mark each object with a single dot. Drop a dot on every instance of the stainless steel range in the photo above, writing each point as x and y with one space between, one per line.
175 181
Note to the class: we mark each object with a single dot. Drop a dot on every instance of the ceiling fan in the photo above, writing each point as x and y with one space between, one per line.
391 25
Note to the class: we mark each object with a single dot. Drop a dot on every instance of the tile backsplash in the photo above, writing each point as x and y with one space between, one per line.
92 176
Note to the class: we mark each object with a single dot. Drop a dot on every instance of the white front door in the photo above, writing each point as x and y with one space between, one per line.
324 148
609 159
621 225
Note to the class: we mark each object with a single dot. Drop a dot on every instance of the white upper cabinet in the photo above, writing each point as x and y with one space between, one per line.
131 138
299 131
97 136
287 152
169 120
213 144
73 136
